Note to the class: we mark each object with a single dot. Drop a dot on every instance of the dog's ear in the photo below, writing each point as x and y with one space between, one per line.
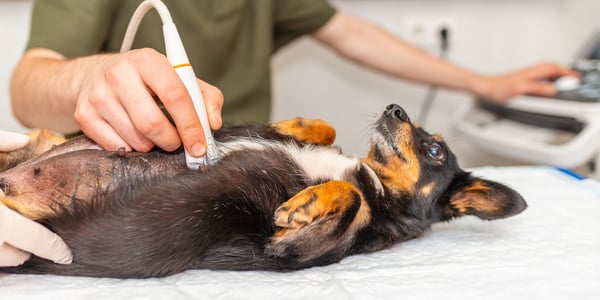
485 199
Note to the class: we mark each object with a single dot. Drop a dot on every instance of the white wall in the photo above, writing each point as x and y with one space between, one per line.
488 36
14 28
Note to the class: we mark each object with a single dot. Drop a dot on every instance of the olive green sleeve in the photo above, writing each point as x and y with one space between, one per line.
71 27
294 18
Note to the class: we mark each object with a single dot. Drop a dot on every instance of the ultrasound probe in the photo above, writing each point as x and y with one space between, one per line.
178 58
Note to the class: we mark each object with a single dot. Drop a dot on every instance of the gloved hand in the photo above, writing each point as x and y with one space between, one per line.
19 236
10 141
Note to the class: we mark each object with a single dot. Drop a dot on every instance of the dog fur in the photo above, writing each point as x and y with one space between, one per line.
281 198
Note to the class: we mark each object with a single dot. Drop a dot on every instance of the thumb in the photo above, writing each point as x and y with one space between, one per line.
11 256
29 236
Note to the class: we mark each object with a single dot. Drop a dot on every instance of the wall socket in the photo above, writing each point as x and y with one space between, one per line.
424 32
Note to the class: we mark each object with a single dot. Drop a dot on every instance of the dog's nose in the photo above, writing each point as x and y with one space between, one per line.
395 111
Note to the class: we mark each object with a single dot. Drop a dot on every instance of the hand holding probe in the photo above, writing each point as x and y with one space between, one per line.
178 58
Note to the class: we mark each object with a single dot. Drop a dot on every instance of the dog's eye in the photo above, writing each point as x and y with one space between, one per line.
435 151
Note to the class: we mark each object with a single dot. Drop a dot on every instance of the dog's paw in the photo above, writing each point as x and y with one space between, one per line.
317 220
296 212
316 202
312 131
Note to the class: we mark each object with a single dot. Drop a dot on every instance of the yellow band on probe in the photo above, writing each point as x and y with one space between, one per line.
181 66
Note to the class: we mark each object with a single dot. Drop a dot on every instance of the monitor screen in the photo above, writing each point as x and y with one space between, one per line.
591 48
595 54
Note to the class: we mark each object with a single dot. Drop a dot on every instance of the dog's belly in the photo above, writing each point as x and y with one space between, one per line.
219 218
77 171
161 217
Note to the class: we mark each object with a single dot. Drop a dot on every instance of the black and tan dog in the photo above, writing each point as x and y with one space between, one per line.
281 198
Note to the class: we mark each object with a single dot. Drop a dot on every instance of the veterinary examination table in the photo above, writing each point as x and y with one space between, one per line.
550 251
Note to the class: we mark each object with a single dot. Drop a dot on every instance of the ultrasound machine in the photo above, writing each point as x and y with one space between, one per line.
563 130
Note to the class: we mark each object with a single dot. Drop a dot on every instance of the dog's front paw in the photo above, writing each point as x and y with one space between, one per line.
315 202
312 131
318 219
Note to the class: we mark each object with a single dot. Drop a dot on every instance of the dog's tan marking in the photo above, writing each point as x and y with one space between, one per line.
398 173
315 220
313 131
477 186
26 208
314 202
474 197
43 140
427 189
333 197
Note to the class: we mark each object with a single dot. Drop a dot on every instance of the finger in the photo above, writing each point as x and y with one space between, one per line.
148 119
11 256
121 123
11 141
100 132
173 95
188 125
122 108
540 88
549 70
214 100
32 237
102 118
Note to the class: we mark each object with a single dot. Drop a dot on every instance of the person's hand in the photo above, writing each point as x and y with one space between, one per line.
534 80
11 141
117 104
19 236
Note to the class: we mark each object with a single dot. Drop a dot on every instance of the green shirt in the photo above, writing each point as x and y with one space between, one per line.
229 42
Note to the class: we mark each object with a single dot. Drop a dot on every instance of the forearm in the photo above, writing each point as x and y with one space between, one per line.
359 40
44 88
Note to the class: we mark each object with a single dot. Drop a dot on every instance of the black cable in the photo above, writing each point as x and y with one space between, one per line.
432 91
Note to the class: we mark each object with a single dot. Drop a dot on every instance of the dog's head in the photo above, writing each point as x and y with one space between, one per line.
419 171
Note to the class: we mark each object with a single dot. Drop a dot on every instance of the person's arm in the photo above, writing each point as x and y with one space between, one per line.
111 98
372 46
19 236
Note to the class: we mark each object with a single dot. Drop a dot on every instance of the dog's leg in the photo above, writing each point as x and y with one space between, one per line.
22 206
312 131
319 220
40 142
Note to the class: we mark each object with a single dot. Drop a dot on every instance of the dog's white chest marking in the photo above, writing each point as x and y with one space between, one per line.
318 163
323 163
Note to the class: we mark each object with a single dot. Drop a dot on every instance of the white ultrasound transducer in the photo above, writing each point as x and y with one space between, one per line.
179 60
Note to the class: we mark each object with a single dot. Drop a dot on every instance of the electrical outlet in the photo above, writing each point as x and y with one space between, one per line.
424 32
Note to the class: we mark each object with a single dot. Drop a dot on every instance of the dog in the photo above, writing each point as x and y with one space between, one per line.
281 198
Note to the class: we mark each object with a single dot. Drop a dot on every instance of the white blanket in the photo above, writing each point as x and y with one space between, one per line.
550 251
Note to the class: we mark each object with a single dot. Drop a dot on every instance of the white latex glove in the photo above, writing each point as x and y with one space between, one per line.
10 141
19 236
